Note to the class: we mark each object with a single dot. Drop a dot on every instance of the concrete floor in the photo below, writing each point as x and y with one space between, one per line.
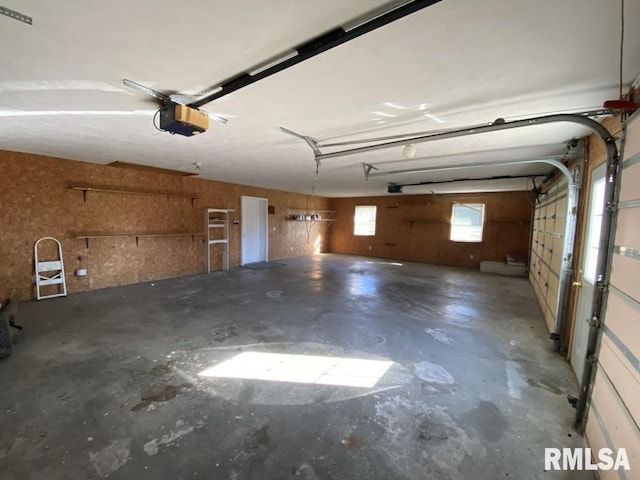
107 383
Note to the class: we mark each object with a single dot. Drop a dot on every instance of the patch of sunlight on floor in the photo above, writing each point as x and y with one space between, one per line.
312 369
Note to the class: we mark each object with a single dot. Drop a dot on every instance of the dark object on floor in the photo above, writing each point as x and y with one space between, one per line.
263 265
5 336
9 331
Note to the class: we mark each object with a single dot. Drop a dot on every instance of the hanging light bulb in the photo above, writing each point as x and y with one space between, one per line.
409 151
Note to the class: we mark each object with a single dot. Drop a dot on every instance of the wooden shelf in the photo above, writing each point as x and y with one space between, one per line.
123 191
137 236
328 215
304 209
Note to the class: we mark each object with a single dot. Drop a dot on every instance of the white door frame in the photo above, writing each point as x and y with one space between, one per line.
586 284
247 204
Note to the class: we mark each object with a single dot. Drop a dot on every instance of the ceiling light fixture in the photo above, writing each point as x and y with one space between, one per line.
383 114
395 105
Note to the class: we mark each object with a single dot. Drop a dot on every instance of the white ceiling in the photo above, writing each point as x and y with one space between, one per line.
457 63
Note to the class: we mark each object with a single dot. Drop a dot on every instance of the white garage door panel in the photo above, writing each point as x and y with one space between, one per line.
622 319
630 183
632 140
622 374
624 275
628 229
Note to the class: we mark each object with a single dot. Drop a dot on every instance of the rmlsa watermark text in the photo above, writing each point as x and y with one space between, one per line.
585 459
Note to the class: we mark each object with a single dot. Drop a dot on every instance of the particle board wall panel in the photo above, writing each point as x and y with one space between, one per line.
622 374
37 201
417 228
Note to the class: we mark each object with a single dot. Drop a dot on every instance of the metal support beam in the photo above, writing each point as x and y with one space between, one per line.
566 268
579 118
367 170
559 165
397 187
603 272
311 142
21 17
372 21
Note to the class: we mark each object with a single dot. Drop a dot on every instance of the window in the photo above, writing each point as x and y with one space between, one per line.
467 220
594 231
364 222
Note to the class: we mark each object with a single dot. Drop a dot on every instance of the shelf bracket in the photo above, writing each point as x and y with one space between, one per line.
84 196
137 240
86 241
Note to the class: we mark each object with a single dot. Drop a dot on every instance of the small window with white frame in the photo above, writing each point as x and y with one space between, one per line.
364 221
467 222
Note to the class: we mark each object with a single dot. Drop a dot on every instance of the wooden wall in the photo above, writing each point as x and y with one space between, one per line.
417 228
36 201
614 413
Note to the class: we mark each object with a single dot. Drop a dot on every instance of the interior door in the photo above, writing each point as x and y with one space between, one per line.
588 270
255 233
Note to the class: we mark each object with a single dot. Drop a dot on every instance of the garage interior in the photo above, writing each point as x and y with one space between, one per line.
402 243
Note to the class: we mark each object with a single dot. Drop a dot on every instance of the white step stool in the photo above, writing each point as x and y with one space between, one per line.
54 270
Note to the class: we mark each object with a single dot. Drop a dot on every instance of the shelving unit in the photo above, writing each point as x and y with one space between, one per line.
311 215
217 220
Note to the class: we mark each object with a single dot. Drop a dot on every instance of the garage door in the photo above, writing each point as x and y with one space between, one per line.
549 224
614 413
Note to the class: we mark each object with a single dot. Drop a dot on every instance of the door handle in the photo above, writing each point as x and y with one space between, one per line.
577 284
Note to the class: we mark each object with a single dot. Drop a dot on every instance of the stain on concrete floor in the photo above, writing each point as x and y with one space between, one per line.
472 391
